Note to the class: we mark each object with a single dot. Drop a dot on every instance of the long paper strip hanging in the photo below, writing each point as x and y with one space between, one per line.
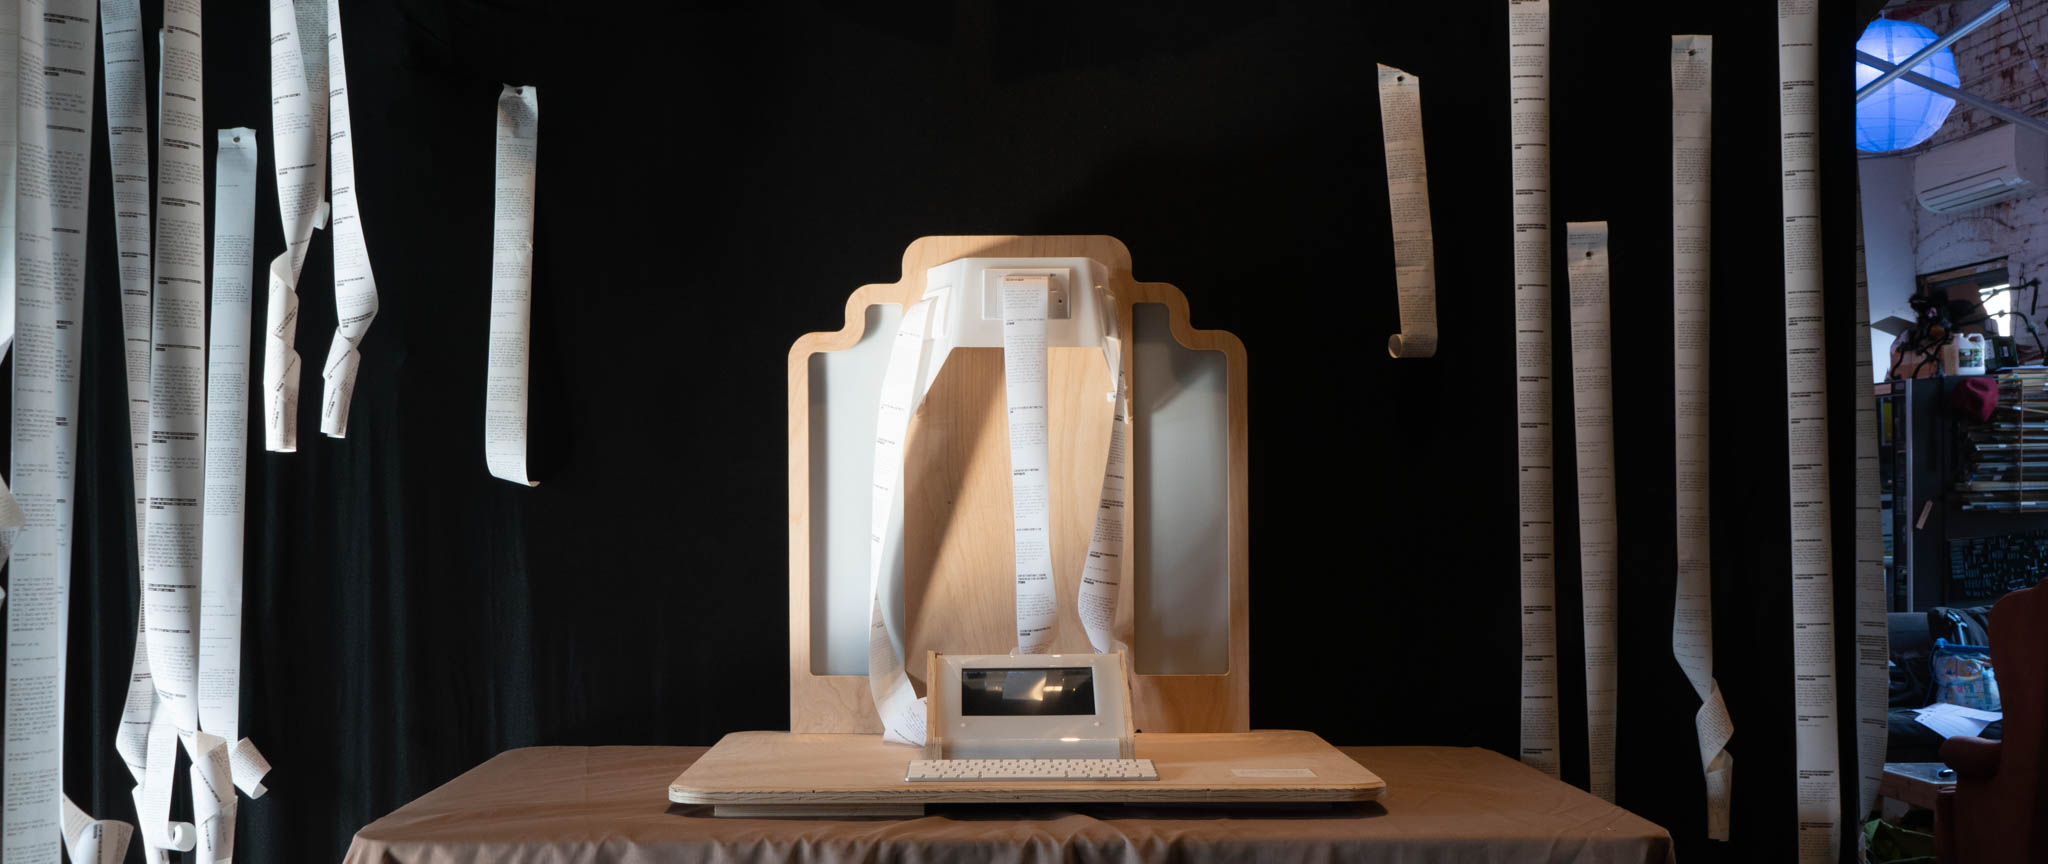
355 287
1816 777
902 713
160 834
10 104
227 386
1692 613
53 118
173 571
1025 359
1102 572
1026 362
1408 207
1529 125
298 120
177 427
128 143
1599 545
10 99
506 377
128 153
155 767
1873 633
227 440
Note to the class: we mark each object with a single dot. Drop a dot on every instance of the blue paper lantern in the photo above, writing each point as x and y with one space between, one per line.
1901 114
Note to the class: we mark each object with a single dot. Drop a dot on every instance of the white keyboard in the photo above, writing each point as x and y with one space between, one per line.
923 770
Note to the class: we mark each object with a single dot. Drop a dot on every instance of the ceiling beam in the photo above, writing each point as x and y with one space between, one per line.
2016 116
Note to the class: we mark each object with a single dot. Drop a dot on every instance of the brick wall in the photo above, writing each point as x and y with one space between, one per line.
2006 61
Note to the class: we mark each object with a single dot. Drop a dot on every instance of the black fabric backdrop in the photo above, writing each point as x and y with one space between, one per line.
715 179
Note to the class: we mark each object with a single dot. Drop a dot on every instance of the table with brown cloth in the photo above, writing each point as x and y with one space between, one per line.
546 805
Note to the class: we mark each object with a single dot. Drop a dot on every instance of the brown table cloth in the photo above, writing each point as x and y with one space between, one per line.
548 805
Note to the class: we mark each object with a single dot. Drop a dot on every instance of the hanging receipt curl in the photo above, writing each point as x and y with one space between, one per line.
298 118
355 286
1408 204
506 373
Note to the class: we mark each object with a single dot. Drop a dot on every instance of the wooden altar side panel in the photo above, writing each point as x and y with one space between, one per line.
958 532
1203 703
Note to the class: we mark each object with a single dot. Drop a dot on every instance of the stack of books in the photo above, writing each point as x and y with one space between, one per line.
2005 459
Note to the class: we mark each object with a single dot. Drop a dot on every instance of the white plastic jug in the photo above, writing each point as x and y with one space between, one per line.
1970 352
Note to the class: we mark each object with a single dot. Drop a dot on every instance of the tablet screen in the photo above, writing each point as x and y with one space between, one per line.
1027 692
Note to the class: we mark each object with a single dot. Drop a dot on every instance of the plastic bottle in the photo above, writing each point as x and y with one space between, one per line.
1971 349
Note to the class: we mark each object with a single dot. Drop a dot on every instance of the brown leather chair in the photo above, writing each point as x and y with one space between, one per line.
1999 812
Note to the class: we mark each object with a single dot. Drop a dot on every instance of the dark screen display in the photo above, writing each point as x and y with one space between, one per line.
1026 692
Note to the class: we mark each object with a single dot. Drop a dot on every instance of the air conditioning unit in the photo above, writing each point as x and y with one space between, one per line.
1985 168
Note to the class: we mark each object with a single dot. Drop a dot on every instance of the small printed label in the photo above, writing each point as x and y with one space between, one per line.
1272 772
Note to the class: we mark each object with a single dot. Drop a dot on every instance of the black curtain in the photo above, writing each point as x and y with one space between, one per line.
716 178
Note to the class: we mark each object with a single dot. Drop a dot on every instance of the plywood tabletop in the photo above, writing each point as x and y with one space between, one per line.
1195 767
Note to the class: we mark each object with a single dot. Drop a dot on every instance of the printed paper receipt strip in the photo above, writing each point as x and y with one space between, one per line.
1408 204
227 447
10 139
172 569
1692 615
147 742
1024 363
298 119
355 289
902 712
914 362
11 517
54 121
10 102
160 736
1529 122
1599 550
1818 784
1103 572
511 287
177 425
128 143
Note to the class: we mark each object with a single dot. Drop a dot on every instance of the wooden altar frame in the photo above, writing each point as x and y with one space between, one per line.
977 540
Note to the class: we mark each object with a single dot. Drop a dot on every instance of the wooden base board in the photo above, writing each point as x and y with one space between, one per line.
796 774
814 811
